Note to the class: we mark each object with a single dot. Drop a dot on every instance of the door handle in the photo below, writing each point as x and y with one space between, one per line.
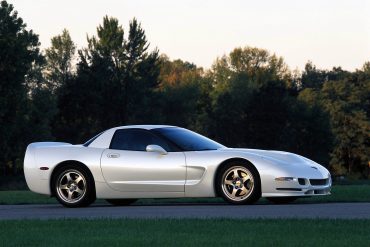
112 155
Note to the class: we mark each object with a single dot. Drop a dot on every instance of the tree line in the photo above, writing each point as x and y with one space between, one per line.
248 98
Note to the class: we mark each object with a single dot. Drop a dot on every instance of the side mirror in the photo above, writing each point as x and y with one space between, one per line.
156 149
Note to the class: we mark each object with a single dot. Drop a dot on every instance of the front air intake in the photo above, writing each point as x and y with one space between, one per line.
301 181
319 182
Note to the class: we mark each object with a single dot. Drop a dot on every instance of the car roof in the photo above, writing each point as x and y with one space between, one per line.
103 140
148 127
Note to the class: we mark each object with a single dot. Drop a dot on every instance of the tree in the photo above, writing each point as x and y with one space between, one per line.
249 90
59 59
313 77
113 85
250 64
181 93
347 103
255 104
344 96
19 52
309 131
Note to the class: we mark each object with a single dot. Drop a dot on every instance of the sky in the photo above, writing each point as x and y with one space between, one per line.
327 32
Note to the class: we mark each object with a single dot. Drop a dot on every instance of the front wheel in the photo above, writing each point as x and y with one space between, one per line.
73 186
239 183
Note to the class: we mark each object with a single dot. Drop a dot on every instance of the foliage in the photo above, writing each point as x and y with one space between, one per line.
249 97
344 97
347 101
181 93
59 59
113 83
19 59
258 99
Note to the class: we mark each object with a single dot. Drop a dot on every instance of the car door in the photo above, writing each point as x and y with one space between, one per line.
128 167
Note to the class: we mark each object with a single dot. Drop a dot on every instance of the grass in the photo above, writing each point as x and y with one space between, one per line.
185 232
344 193
24 197
340 193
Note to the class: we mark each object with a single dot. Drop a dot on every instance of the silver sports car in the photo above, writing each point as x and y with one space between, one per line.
126 163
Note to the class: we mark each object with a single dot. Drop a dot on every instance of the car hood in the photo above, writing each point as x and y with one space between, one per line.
279 157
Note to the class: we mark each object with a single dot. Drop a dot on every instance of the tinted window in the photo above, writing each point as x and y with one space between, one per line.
135 140
188 140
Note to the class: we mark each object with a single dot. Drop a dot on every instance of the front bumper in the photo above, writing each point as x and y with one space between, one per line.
300 187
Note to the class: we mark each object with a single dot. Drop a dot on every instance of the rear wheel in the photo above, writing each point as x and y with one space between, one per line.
73 186
239 183
282 200
121 202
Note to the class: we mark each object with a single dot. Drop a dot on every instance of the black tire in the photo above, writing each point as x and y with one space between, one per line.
61 187
121 202
254 193
282 200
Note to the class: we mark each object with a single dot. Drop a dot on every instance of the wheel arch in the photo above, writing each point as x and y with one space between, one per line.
227 161
65 163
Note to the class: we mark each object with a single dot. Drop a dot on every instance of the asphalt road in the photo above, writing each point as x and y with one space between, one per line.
55 211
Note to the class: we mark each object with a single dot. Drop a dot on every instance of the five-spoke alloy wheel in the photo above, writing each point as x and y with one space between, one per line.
73 186
239 183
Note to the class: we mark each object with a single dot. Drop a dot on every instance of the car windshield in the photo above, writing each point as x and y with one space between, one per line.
187 140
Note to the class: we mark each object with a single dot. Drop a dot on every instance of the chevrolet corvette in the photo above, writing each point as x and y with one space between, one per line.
127 163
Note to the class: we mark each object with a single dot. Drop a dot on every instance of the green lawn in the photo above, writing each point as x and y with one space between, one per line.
185 232
340 193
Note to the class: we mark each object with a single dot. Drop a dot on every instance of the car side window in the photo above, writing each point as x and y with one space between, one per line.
136 140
